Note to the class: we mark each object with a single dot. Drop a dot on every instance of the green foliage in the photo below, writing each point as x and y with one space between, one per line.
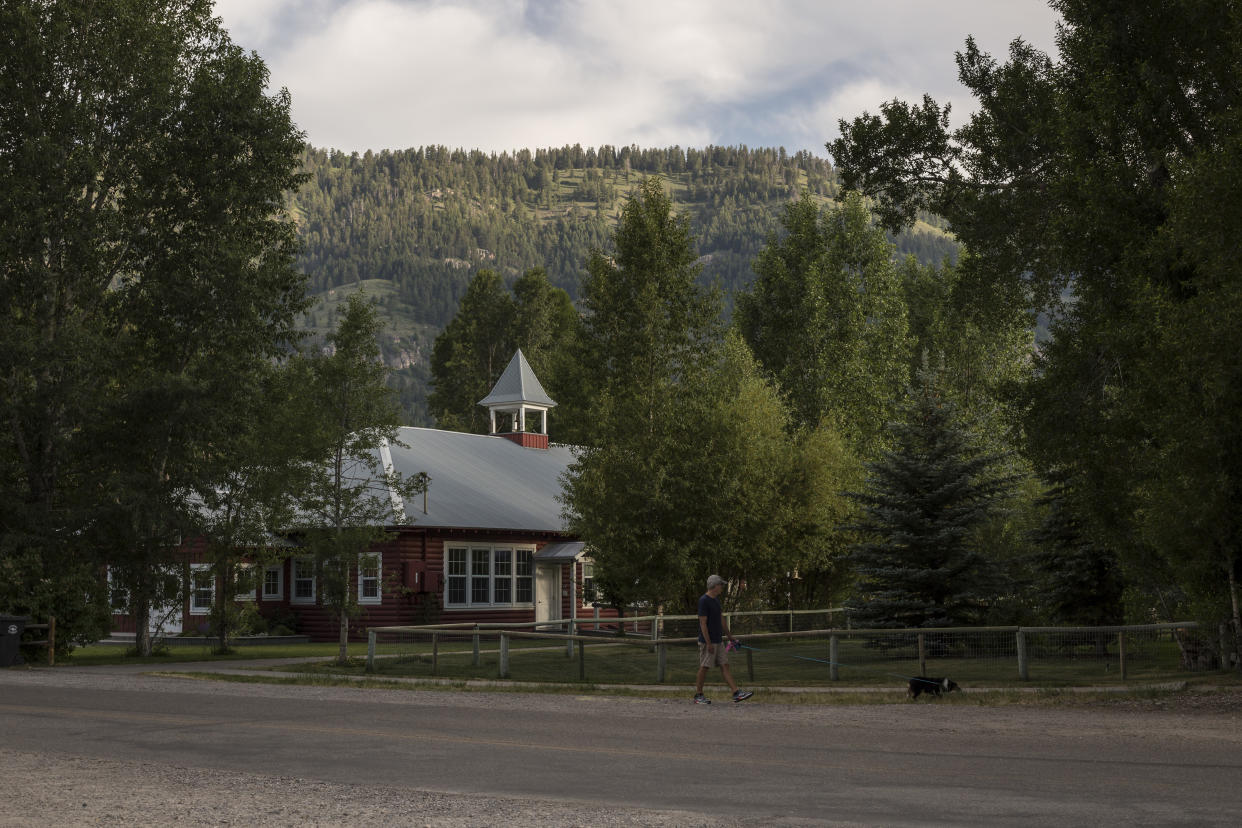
423 222
985 343
144 267
693 467
470 354
347 498
917 562
827 318
648 322
1080 582
249 492
490 326
1112 170
649 327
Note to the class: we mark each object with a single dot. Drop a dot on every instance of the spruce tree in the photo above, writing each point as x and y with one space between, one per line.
1079 579
916 562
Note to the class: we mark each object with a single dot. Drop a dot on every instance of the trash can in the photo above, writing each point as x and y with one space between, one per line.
11 627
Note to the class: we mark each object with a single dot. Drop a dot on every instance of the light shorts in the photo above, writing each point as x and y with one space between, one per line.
717 659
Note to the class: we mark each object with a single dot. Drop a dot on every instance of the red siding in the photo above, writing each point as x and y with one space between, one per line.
526 439
403 603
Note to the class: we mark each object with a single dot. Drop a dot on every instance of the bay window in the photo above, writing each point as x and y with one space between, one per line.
489 576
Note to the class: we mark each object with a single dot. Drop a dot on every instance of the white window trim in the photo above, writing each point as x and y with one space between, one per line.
379 579
279 569
194 570
293 587
491 548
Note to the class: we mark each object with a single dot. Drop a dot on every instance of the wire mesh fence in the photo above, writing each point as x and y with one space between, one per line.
663 650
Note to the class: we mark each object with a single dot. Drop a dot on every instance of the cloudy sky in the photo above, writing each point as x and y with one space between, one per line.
505 74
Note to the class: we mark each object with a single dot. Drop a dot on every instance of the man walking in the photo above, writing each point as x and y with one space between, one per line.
712 633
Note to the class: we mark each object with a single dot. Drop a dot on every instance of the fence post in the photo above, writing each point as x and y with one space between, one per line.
569 642
596 613
833 672
661 662
504 656
1121 653
370 651
582 661
922 656
51 642
1022 671
474 661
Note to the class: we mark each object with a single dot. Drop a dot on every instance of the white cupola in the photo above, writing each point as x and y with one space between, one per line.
518 405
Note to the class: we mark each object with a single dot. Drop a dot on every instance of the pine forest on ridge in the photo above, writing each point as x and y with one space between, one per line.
411 227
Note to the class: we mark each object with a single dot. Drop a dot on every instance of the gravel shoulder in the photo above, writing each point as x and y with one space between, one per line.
75 792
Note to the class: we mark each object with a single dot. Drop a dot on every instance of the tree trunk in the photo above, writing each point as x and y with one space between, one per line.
343 655
141 608
1237 618
221 609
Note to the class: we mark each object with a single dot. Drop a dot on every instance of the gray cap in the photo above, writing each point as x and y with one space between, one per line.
714 580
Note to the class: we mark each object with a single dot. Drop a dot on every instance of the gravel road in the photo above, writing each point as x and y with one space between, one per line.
51 789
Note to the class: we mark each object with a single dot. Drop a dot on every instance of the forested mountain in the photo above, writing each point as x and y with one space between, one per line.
415 225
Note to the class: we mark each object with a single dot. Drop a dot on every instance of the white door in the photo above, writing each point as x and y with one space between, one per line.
547 593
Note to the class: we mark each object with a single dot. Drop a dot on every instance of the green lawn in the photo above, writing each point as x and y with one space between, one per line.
119 654
777 663
772 662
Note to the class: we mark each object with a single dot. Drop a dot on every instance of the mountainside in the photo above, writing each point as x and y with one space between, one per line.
412 227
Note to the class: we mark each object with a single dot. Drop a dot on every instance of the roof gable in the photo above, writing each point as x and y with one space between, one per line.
518 384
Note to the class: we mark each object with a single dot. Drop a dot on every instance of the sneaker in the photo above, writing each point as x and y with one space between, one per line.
701 699
742 695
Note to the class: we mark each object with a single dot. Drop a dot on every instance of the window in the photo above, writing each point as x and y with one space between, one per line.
274 583
117 594
369 569
489 576
589 595
526 576
457 576
480 576
502 569
202 589
303 581
246 587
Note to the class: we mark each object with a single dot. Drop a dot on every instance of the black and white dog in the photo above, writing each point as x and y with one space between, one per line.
932 686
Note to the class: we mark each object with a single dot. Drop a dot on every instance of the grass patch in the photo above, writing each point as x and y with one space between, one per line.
94 654
778 663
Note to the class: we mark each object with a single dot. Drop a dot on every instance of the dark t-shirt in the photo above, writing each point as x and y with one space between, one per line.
710 607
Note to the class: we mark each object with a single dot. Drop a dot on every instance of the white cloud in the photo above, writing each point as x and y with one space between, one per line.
503 74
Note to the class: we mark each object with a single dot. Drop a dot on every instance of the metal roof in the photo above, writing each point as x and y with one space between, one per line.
561 551
518 384
482 482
